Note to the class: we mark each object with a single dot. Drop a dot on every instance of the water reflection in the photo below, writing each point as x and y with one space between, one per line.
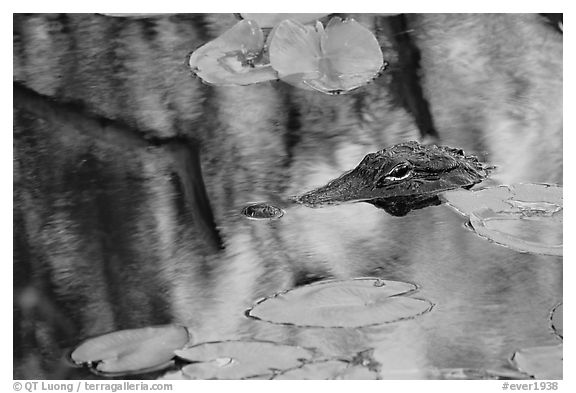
111 238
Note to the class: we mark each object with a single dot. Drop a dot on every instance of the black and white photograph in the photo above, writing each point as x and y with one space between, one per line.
287 196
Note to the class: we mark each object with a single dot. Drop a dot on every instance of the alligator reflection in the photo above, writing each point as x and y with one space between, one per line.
401 206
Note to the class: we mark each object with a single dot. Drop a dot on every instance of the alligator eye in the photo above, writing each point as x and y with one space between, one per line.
399 172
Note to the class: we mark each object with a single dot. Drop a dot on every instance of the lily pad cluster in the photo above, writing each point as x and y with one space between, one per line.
353 303
268 360
139 351
524 217
332 59
335 303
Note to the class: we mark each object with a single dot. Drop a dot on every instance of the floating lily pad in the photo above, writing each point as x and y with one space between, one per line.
240 359
262 211
540 362
271 20
131 351
173 376
339 58
329 369
236 58
533 234
557 320
538 193
348 303
526 199
465 202
469 373
524 217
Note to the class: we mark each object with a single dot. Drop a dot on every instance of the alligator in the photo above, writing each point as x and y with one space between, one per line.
401 178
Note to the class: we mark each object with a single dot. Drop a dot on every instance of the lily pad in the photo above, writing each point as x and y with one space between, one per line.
329 369
131 351
262 211
526 199
271 20
524 217
240 359
533 234
173 376
543 362
477 374
236 58
557 320
347 303
337 59
538 193
466 202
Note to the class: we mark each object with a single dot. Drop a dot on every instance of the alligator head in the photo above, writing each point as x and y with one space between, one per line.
401 178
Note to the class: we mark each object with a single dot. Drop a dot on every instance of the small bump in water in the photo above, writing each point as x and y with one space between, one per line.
262 211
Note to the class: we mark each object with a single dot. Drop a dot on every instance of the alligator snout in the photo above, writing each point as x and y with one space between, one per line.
348 187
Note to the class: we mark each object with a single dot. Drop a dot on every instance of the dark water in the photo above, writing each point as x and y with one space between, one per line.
114 236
